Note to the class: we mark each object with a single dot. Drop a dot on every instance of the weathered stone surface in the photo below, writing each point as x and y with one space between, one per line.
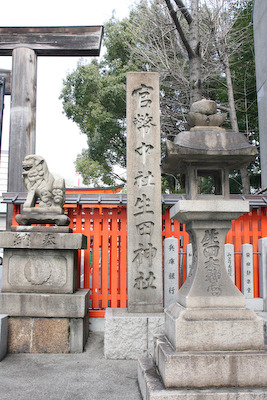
45 305
208 146
152 388
19 335
130 335
78 335
213 329
211 369
144 242
44 229
50 335
44 240
47 335
45 271
208 210
3 335
204 106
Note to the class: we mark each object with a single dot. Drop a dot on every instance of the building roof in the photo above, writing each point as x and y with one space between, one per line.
81 198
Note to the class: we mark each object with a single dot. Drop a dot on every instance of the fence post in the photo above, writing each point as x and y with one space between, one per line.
229 260
247 278
263 270
171 271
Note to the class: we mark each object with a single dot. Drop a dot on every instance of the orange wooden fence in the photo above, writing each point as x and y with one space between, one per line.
103 266
104 262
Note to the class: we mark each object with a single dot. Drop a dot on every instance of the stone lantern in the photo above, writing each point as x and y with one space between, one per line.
208 152
211 340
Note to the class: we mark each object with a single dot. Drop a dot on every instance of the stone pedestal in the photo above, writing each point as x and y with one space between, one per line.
211 340
47 314
129 336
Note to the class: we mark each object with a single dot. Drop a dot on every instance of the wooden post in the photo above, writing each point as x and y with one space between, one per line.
25 44
22 114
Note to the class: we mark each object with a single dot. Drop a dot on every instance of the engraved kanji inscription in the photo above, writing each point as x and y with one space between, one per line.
23 239
143 252
142 206
145 228
144 95
143 123
144 150
144 179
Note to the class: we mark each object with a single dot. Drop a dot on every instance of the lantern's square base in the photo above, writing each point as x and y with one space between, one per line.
152 388
213 329
204 369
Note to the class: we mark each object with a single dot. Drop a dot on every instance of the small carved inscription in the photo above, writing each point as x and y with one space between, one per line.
22 239
49 240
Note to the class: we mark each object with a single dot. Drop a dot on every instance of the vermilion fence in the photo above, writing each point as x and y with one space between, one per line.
103 266
104 262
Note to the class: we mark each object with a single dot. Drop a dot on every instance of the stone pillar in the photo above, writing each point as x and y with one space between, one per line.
171 271
189 258
263 270
247 278
144 237
229 260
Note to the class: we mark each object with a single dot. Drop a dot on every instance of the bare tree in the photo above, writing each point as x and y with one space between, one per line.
189 43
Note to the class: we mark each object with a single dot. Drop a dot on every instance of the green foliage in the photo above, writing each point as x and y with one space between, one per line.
94 97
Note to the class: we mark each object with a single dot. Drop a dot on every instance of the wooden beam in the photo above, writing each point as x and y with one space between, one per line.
6 73
52 41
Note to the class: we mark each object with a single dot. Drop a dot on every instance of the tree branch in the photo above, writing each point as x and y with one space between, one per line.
186 44
184 11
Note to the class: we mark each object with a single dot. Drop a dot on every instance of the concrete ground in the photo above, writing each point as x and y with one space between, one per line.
85 376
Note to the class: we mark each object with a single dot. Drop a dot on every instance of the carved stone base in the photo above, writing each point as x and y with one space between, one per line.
40 261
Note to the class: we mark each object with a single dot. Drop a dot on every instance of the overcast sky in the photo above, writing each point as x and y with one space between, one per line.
58 139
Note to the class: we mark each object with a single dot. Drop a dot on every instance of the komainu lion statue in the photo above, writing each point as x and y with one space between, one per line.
41 185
